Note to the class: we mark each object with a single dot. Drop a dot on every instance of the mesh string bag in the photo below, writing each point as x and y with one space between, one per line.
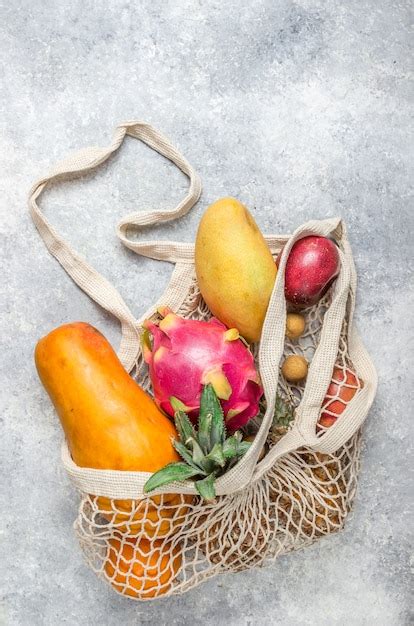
295 484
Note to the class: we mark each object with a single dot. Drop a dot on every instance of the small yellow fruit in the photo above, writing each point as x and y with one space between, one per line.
295 368
295 325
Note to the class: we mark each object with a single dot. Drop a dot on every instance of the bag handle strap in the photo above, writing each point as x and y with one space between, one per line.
161 250
84 275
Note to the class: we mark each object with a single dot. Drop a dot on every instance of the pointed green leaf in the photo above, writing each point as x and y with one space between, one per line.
184 426
185 454
177 405
204 428
211 404
243 447
206 488
169 474
230 447
216 455
214 460
198 454
218 428
208 466
205 417
233 447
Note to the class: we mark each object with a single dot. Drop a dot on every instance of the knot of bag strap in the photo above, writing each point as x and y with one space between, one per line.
84 275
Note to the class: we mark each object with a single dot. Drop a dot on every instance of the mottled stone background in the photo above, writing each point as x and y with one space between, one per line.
300 109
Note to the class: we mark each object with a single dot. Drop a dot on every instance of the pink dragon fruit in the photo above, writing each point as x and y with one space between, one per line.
183 355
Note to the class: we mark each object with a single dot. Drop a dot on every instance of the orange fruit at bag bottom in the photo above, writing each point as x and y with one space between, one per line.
157 518
142 569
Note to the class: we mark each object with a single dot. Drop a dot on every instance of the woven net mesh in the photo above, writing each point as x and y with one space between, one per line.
168 544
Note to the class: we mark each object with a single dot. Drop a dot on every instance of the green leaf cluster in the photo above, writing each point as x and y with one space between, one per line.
206 451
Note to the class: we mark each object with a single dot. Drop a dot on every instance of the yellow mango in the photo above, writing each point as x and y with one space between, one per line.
235 268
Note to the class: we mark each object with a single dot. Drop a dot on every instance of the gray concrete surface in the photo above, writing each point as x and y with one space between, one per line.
300 109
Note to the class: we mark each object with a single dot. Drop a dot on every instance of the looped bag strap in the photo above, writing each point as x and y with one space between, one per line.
86 277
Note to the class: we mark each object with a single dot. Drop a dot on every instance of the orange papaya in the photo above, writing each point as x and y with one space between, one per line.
108 420
141 569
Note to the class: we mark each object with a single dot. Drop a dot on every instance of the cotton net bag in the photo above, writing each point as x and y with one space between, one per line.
303 487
